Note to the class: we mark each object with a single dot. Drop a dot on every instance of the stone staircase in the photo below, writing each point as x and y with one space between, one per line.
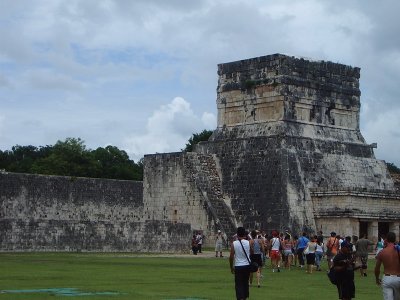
203 171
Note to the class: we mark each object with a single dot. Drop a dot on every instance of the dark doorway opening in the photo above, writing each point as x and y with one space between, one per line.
383 228
363 229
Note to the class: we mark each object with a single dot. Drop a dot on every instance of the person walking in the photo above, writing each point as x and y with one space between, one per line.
332 248
310 254
257 246
389 257
239 263
379 244
362 253
287 246
275 245
344 266
218 244
319 253
301 245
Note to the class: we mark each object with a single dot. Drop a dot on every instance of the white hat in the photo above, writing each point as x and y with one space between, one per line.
219 230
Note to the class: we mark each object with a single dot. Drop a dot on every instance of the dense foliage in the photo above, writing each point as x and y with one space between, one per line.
196 138
71 158
392 168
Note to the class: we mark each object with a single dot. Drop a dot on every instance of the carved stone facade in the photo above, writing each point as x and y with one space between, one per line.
288 127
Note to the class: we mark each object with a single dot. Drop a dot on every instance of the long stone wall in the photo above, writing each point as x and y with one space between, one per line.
55 213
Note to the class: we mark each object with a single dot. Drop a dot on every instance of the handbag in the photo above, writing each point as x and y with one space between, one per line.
253 266
332 276
306 251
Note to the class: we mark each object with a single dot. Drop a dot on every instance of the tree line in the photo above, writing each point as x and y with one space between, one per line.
71 158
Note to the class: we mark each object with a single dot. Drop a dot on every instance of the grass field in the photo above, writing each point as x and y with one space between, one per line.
127 276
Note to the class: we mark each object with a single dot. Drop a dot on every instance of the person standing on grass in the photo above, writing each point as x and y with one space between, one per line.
379 244
295 244
362 253
199 238
287 246
332 248
343 264
239 263
301 245
218 244
310 256
390 258
194 245
319 253
320 237
257 245
275 253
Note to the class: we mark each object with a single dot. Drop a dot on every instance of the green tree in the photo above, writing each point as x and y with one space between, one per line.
393 168
196 138
67 158
72 158
115 163
21 158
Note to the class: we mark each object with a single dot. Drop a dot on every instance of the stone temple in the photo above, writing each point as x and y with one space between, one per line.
287 154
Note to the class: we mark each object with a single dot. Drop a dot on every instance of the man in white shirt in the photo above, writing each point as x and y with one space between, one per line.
239 260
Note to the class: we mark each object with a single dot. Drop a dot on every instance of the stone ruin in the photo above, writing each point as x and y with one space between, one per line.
287 154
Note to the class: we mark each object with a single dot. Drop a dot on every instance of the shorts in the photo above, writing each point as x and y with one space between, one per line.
257 258
218 247
364 261
275 254
287 252
310 257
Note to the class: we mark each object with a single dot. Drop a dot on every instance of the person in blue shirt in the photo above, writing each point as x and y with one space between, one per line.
301 245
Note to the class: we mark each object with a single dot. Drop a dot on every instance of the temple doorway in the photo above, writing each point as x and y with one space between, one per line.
383 228
363 229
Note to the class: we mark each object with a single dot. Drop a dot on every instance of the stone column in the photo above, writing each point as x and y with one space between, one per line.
395 227
373 231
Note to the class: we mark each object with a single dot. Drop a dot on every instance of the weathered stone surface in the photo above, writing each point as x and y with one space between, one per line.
282 88
287 126
55 213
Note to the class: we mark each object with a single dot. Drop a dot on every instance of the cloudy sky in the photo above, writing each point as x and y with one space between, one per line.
142 74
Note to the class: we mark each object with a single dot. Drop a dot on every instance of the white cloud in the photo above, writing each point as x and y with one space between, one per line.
4 82
124 58
49 79
168 129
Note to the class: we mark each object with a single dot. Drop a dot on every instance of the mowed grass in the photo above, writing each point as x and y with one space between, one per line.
155 277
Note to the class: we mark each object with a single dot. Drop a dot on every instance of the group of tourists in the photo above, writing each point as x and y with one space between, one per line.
197 242
344 255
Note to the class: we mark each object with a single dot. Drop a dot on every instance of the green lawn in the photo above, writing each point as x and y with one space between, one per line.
125 276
